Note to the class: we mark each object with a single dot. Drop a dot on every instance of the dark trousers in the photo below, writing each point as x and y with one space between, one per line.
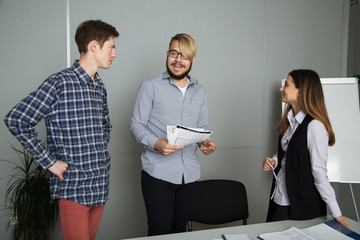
167 204
279 212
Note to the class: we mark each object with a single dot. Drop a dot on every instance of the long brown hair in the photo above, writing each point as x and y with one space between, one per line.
311 100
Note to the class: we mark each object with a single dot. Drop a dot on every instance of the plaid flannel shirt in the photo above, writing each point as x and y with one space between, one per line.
78 128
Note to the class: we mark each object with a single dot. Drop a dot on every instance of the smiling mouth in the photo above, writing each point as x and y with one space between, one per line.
177 66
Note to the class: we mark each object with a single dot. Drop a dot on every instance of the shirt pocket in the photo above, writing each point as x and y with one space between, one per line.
193 108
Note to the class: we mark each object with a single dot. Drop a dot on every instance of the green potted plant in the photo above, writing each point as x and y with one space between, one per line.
28 197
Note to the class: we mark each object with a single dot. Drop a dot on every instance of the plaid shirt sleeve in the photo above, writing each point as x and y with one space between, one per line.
23 118
107 124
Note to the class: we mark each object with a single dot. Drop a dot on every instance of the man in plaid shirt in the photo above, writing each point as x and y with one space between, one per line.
73 103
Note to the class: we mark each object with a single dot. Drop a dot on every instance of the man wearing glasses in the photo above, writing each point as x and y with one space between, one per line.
169 172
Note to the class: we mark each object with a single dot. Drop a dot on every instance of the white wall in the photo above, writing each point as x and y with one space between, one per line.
245 48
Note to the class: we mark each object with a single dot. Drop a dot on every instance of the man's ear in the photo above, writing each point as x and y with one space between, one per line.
193 60
92 45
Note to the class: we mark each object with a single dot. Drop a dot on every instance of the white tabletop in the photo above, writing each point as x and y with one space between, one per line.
252 230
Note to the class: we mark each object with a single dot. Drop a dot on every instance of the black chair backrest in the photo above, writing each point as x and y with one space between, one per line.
220 201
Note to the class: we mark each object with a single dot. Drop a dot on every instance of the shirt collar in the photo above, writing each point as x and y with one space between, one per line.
298 118
166 75
83 77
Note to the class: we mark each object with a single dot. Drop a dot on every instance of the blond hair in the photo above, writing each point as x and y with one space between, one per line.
187 45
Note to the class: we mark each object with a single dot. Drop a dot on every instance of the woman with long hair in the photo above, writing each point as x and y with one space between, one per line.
301 189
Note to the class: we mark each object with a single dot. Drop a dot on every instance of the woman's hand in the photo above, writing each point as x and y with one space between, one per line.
269 164
342 220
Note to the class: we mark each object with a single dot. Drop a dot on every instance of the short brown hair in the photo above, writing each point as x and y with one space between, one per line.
91 30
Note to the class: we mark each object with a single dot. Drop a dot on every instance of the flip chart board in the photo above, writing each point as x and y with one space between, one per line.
342 102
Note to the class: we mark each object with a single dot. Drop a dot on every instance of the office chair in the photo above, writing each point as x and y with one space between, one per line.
219 201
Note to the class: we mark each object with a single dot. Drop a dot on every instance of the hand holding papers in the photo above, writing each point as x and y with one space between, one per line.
182 136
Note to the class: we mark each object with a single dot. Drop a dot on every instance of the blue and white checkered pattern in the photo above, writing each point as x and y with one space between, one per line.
78 128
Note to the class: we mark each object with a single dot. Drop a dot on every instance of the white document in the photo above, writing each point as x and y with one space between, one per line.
317 232
290 234
182 136
324 232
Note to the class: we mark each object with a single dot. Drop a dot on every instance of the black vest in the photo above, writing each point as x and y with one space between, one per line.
305 200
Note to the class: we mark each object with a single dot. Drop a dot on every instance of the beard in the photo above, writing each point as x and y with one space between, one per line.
177 77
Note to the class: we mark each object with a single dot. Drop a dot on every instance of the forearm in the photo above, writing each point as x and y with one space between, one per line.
143 136
318 148
27 136
23 118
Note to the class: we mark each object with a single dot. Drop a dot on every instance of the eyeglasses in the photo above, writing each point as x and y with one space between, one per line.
175 54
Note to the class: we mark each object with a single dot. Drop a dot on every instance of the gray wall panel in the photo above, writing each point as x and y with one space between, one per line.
245 48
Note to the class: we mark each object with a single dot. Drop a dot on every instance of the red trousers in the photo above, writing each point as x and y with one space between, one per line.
79 222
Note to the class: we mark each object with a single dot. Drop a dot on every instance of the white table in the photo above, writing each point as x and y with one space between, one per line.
252 230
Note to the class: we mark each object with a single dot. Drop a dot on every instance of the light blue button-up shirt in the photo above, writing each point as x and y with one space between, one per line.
160 103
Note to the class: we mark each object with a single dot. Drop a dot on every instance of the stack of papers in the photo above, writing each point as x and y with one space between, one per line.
182 136
330 230
291 233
